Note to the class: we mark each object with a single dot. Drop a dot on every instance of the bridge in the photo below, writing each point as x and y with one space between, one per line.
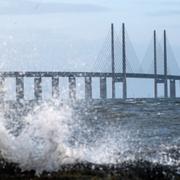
119 70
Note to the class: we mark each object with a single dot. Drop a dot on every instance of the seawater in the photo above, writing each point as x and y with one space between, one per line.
47 135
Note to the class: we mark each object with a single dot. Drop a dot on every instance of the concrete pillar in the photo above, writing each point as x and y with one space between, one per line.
19 88
88 88
2 89
172 88
72 88
124 89
155 89
103 88
55 87
38 88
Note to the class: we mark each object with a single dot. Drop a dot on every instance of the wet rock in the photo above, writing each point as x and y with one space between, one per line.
127 171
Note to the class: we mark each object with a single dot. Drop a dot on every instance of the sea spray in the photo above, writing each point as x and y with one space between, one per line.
56 134
43 142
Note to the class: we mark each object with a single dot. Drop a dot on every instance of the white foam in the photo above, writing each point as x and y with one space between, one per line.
42 144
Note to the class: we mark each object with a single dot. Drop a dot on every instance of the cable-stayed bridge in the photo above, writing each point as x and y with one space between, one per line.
117 60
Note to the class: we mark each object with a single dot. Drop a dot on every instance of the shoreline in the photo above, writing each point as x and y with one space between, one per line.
140 170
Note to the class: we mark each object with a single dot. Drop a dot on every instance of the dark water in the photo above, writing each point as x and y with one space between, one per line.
135 129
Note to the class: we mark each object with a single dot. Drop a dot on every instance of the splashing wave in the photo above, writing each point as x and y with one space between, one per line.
54 135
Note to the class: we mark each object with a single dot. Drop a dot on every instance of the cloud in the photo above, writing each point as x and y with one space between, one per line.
31 7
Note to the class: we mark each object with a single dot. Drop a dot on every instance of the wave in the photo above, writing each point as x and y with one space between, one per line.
52 135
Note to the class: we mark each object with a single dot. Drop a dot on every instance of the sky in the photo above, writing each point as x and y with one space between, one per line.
86 22
69 34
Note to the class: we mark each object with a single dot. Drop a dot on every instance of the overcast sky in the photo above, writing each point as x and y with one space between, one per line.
68 34
78 21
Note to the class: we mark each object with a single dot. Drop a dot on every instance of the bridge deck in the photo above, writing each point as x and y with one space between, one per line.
86 74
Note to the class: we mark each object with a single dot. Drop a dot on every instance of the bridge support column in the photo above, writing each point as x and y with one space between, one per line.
55 87
72 88
103 88
124 88
165 88
2 90
88 88
155 88
172 88
38 88
19 88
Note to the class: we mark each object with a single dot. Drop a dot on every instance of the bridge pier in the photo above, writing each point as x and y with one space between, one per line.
172 88
19 88
2 90
72 87
88 88
103 88
166 89
155 89
55 87
38 88
124 88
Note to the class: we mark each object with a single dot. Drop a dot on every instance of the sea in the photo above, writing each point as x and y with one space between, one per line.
44 136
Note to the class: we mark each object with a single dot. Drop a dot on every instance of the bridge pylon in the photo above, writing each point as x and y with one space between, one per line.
112 61
163 80
124 61
165 67
121 78
155 66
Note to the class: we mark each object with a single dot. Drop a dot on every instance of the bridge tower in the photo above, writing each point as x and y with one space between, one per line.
155 66
112 61
165 68
121 79
172 82
124 62
163 80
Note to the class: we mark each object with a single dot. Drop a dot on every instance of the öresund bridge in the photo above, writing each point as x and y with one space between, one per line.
119 70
